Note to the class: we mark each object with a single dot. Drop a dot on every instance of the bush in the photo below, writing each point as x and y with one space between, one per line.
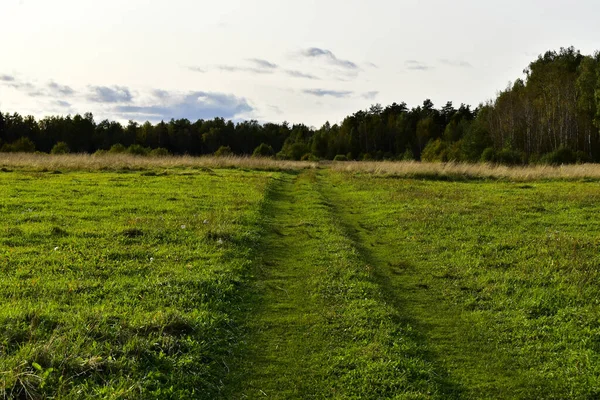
117 148
582 157
488 155
436 150
562 155
510 157
263 150
408 155
100 152
223 151
309 157
138 150
367 157
60 148
22 145
340 157
160 152
297 150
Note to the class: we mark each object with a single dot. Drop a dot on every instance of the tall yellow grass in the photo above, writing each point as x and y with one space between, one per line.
407 169
126 161
413 169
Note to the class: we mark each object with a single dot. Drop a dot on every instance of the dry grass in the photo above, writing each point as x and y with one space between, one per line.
408 169
31 161
413 169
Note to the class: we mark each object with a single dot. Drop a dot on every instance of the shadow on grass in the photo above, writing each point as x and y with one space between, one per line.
448 388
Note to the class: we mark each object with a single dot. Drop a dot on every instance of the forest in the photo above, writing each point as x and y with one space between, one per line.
552 115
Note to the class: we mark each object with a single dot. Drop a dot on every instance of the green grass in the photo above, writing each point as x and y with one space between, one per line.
319 326
123 285
237 283
501 277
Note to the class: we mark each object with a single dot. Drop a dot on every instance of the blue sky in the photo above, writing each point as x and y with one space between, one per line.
300 61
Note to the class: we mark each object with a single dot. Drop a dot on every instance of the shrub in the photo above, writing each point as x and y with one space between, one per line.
263 150
408 155
21 145
100 152
509 157
223 151
138 150
582 157
160 152
117 148
488 155
367 157
436 150
297 150
340 157
309 157
562 155
60 148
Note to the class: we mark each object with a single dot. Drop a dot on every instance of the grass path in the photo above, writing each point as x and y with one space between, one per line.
283 322
318 325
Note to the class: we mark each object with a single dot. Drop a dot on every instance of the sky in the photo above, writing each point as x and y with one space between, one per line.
272 60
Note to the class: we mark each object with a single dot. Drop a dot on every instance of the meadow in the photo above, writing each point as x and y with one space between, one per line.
130 277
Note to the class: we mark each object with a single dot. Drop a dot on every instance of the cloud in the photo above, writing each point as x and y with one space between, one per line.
160 94
323 92
371 65
260 67
329 57
27 87
416 65
276 109
52 89
231 68
263 64
62 103
298 74
60 90
193 106
105 94
456 63
370 95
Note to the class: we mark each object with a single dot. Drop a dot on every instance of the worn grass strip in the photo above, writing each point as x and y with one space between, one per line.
319 327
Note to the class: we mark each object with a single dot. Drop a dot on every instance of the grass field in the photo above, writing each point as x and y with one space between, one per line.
274 280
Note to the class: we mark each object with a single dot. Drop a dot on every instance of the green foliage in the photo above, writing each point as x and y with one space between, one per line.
100 152
263 150
488 155
562 155
159 152
223 151
117 148
340 157
509 157
408 155
21 145
309 157
60 148
138 150
436 150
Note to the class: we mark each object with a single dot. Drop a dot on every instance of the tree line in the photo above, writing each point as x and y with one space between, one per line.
550 116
